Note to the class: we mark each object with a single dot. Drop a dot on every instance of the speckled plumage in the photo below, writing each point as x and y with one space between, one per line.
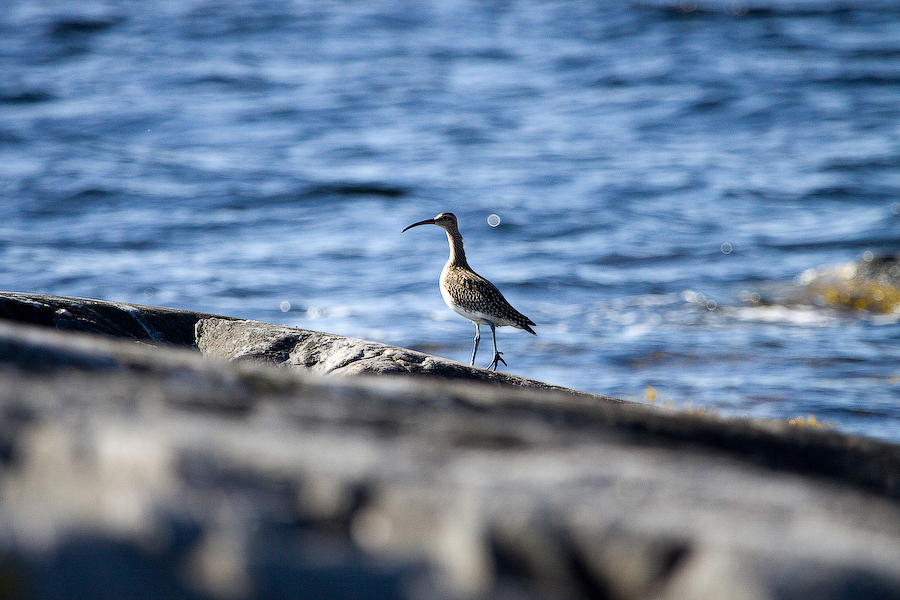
470 294
474 294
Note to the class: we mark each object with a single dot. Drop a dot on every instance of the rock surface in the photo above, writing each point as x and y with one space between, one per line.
117 319
135 470
329 354
234 339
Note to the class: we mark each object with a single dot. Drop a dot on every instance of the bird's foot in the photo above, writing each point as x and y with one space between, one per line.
496 360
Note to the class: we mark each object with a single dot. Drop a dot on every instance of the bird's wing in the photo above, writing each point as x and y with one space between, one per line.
481 295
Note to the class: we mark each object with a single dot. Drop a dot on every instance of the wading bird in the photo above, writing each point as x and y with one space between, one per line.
470 294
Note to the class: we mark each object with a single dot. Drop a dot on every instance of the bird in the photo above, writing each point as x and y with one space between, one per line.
470 294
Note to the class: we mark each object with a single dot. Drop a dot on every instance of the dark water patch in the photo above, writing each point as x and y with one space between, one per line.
243 292
10 137
647 189
341 256
766 10
852 245
856 411
308 194
65 28
659 357
355 152
468 135
889 78
680 9
876 53
577 62
612 81
287 112
24 96
558 229
832 361
556 283
358 189
91 195
72 201
712 102
672 255
70 37
850 165
242 83
837 192
100 125
216 19
493 54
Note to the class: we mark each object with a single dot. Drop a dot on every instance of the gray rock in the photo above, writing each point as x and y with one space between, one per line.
133 470
883 270
871 284
329 354
235 339
117 319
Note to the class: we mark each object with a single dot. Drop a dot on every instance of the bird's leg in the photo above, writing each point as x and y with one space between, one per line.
477 339
497 358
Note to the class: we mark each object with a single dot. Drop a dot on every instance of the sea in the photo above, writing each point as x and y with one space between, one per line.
633 175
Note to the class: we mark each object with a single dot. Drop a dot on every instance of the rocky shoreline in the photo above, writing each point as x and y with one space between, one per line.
153 452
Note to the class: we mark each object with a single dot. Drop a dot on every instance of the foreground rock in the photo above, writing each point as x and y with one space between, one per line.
133 470
235 339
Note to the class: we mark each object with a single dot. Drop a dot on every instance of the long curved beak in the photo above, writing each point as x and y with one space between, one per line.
425 222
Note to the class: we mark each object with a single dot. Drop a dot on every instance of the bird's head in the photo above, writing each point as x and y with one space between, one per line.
445 220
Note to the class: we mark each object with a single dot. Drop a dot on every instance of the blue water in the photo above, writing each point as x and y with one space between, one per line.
651 164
